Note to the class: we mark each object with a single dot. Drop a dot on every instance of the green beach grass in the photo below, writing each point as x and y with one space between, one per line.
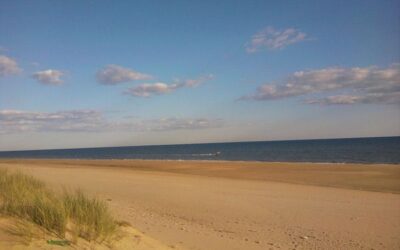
68 214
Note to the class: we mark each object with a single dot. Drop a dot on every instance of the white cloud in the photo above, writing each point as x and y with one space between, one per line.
8 66
376 98
17 121
114 74
337 99
168 124
149 89
49 77
191 83
159 88
360 85
273 39
72 120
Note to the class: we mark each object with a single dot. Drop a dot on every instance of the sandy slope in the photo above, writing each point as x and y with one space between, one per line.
22 235
180 205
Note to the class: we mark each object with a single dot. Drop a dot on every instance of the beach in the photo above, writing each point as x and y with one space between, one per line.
240 205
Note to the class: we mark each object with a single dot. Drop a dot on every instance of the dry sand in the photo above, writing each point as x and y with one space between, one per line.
241 205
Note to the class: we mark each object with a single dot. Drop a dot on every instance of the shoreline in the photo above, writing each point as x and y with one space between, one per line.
195 160
198 160
369 177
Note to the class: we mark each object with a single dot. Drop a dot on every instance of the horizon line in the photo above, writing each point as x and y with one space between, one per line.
181 144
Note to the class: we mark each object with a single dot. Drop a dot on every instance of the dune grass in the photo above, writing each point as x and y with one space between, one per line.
71 213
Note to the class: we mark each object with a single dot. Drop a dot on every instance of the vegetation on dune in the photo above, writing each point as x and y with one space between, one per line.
71 213
90 216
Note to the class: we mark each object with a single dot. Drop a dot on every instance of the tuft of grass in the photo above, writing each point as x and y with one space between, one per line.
91 216
25 197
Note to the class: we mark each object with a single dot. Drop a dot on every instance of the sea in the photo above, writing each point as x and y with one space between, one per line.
353 150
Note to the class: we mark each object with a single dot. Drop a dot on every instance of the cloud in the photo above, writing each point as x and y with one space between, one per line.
72 120
49 77
160 88
360 85
377 98
149 89
8 66
337 99
191 83
114 74
273 39
168 124
17 121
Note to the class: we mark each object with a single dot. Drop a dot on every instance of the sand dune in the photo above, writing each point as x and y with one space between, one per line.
226 205
14 235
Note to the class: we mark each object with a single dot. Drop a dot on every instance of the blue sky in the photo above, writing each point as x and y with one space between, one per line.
110 73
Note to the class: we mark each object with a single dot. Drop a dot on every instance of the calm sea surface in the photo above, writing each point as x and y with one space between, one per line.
358 150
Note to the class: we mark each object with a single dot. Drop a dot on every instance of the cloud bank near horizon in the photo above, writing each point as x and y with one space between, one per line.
17 121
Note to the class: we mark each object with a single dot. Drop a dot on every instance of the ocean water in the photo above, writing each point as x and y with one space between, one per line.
355 150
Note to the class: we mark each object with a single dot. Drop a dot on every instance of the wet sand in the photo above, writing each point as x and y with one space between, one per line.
241 205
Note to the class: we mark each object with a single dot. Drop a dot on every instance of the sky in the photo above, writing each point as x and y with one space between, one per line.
118 73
